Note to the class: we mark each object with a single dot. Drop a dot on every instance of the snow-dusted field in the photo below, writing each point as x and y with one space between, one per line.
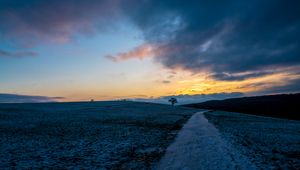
95 135
269 143
131 135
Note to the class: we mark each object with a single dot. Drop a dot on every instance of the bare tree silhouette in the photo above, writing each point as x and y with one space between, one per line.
173 101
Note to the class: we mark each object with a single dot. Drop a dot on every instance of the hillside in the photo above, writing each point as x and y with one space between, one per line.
281 106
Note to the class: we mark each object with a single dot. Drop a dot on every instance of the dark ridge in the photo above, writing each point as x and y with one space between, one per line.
281 106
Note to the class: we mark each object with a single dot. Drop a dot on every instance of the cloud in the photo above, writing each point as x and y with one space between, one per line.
18 54
139 52
241 76
16 98
166 81
291 87
224 36
186 99
35 21
163 81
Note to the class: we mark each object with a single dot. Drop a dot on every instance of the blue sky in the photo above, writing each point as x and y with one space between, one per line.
80 62
148 49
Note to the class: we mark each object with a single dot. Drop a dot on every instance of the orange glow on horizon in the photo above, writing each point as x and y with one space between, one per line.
182 83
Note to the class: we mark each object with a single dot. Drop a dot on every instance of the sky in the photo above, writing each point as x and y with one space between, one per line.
75 50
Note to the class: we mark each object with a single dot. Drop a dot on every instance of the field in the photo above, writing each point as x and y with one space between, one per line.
269 143
135 135
100 135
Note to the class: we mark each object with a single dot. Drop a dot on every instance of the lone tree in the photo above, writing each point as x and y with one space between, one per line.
173 101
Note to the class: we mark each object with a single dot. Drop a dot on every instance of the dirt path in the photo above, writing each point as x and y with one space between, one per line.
200 146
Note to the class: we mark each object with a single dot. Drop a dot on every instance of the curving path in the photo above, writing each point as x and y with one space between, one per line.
200 146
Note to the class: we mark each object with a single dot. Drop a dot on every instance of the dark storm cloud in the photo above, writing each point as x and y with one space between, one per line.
16 98
222 36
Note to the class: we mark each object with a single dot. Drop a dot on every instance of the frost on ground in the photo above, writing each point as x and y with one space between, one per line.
91 135
269 143
199 146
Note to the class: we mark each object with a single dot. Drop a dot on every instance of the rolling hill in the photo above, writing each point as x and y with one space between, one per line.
281 106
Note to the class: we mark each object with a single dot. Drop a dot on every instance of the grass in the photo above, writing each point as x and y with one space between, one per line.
101 135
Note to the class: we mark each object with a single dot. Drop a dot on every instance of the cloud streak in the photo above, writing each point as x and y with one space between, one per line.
18 54
139 52
16 98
